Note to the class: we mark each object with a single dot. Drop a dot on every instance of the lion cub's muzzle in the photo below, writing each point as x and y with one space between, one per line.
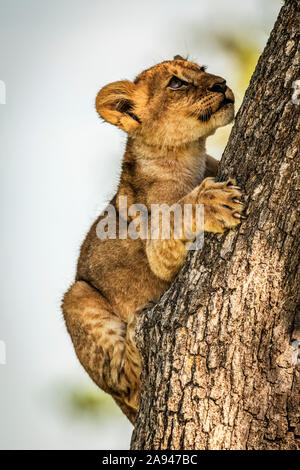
219 96
227 100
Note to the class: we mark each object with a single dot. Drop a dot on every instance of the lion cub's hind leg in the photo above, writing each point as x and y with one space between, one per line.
104 345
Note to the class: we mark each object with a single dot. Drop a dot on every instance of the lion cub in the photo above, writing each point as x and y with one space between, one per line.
167 111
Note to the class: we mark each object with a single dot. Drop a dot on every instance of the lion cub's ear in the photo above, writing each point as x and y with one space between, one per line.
115 104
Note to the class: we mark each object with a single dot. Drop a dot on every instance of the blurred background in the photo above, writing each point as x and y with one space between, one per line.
59 167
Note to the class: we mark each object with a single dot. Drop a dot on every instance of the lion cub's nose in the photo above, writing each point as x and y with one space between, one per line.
219 87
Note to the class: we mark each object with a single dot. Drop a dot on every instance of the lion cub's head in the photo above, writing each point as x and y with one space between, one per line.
172 103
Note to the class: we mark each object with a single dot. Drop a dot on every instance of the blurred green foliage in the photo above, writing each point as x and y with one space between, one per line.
83 400
244 54
237 50
80 400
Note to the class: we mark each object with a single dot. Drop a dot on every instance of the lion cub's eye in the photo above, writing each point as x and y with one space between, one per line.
176 83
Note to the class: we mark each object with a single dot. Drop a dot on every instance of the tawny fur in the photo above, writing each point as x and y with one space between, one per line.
164 162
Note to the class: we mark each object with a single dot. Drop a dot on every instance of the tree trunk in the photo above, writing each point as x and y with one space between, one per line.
220 349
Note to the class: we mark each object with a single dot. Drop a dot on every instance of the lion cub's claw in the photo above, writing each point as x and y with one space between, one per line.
222 204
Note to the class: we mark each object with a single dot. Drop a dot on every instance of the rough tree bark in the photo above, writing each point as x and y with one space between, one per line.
220 364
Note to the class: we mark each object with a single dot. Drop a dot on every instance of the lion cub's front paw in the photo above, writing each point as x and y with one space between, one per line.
222 204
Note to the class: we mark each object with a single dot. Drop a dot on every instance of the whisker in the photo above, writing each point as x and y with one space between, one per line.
204 117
